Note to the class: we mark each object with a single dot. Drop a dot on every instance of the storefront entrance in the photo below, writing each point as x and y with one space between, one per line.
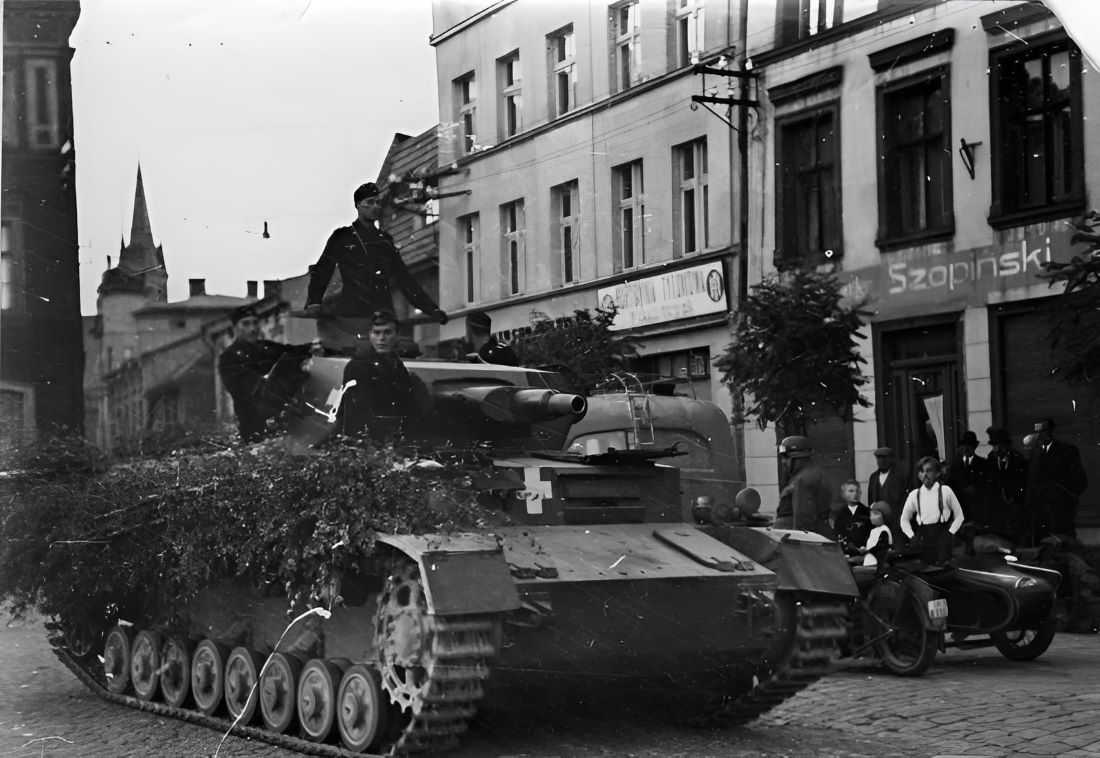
920 403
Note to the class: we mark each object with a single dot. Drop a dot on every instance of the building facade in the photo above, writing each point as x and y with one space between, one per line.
934 153
584 176
41 356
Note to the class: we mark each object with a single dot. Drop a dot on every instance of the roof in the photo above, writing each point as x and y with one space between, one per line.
196 303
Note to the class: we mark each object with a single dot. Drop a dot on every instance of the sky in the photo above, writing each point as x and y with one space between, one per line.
238 112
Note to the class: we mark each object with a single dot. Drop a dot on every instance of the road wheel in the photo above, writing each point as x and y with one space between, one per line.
175 679
279 691
317 698
145 664
361 708
242 673
208 675
905 645
1026 644
116 659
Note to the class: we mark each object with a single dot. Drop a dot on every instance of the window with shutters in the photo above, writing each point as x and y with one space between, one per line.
510 105
690 42
690 214
465 103
41 106
808 210
914 173
470 250
513 264
626 45
561 53
628 197
565 241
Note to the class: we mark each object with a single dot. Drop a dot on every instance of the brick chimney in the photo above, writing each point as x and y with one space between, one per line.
197 287
272 287
252 291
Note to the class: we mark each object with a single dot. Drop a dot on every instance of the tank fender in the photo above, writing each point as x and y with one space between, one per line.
803 561
462 572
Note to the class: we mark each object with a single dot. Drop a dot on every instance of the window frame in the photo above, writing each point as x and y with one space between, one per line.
1002 213
465 111
36 121
557 67
689 30
513 263
635 203
698 187
783 255
11 300
510 95
470 249
887 94
629 41
29 428
565 228
793 19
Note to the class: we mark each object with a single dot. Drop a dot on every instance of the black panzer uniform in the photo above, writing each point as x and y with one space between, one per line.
259 390
368 261
384 398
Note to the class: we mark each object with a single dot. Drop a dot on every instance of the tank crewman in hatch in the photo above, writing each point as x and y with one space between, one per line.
804 503
248 370
369 263
384 397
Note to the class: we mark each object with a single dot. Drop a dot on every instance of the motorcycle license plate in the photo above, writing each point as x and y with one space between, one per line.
937 609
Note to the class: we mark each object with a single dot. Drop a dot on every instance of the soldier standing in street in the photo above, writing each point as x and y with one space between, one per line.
1056 479
248 370
369 263
804 503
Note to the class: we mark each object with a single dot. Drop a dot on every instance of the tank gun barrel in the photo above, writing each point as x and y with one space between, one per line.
510 405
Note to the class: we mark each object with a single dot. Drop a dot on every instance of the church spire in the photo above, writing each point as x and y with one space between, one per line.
141 260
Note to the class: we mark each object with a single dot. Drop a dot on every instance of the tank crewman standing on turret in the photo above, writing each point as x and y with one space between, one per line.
247 369
384 397
804 503
369 263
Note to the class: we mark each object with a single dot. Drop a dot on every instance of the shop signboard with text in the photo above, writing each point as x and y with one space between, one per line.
683 293
927 276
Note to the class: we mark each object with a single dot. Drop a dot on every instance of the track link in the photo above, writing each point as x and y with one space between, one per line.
819 626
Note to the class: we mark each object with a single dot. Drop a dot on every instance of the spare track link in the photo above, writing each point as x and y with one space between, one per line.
461 648
820 626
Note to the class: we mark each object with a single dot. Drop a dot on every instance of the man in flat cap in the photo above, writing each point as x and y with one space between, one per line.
1056 479
369 263
248 369
1007 471
888 484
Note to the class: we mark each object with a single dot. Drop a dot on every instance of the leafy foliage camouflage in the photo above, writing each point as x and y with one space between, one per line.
794 352
583 344
81 538
1075 315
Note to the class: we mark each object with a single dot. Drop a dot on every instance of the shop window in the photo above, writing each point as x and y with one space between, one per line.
511 95
690 214
565 241
561 65
808 206
626 45
1037 131
915 198
628 193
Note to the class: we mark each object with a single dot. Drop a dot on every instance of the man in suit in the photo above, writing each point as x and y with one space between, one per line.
968 478
889 485
1056 480
1007 480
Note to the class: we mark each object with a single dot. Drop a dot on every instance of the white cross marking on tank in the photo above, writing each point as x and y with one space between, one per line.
535 490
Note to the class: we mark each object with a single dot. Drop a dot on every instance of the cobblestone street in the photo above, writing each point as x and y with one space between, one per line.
971 703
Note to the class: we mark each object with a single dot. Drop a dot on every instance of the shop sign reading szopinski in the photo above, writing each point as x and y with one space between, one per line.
683 293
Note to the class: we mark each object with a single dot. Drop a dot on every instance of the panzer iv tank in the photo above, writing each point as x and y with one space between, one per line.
595 576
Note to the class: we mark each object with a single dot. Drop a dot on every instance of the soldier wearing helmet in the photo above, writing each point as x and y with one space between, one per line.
804 503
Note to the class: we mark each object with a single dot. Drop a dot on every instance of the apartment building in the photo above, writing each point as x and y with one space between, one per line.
584 175
934 152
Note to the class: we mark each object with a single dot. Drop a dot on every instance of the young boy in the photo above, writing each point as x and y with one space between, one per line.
937 511
853 521
880 538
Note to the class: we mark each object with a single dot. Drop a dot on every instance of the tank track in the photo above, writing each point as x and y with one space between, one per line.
460 648
820 625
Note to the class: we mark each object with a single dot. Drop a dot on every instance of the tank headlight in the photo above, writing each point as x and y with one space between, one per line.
1025 582
1011 559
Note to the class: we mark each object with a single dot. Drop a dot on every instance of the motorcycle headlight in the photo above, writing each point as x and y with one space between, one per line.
1025 582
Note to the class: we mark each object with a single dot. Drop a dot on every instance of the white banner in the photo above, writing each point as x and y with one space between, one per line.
684 293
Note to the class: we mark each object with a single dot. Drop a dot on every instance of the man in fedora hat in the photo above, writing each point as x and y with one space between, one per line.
888 484
248 369
1056 479
369 263
967 476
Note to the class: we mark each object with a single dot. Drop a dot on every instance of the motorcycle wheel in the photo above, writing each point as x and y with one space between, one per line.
908 648
1026 644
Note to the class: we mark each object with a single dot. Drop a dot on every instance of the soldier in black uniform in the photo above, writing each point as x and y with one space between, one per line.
384 398
260 375
368 262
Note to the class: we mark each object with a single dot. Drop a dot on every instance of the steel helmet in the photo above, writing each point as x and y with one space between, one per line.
796 447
